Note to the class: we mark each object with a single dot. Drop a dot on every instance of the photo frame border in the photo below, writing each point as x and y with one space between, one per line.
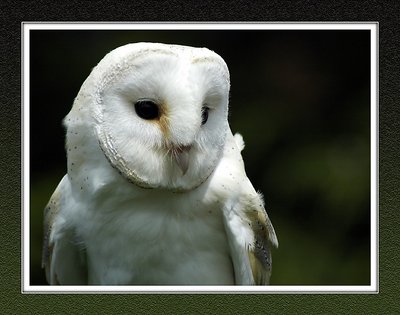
274 289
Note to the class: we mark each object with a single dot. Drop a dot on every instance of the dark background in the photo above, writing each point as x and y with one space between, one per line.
301 101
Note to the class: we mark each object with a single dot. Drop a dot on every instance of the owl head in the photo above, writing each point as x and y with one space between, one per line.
157 113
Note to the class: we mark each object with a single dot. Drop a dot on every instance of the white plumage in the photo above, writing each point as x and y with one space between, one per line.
156 191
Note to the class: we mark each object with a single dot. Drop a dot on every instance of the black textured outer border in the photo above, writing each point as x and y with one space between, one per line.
12 13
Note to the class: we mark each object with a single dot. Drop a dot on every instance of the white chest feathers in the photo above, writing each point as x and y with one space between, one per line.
169 241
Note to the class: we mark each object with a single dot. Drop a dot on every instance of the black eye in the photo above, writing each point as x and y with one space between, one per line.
147 109
204 115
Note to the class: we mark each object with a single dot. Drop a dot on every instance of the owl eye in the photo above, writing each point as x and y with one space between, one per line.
147 109
204 115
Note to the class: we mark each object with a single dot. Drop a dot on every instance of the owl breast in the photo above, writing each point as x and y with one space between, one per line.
179 240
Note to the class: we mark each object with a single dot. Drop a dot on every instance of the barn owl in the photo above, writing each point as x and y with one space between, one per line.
156 191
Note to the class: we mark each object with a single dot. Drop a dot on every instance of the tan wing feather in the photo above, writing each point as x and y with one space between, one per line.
63 259
50 213
259 252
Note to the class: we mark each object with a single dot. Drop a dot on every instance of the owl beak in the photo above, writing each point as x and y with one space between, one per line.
181 155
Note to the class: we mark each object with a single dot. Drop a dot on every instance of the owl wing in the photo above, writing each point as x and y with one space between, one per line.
248 227
63 259
251 236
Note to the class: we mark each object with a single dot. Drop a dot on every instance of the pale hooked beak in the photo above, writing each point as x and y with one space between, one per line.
181 155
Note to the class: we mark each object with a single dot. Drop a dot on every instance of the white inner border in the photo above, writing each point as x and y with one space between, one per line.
25 68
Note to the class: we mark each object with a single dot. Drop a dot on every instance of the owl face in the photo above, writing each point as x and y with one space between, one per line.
158 113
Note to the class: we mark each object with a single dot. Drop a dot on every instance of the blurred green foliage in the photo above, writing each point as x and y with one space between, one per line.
301 100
